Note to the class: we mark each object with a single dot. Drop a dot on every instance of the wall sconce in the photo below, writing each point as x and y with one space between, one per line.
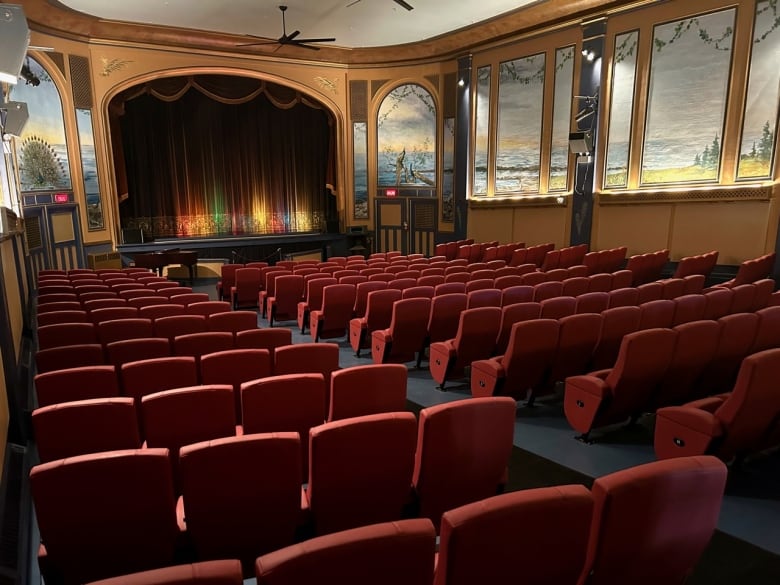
461 83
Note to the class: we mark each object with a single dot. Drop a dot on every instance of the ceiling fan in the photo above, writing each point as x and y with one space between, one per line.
291 39
399 2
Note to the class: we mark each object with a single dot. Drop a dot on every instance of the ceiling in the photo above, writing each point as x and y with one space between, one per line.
365 23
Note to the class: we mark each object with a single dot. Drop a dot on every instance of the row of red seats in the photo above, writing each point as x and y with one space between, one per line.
647 267
662 366
125 350
151 365
117 327
99 310
660 515
414 321
207 397
362 470
753 270
541 351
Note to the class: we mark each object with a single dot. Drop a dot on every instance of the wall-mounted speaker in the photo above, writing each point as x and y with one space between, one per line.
14 116
14 40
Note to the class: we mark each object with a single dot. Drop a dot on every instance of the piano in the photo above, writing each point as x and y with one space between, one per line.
158 260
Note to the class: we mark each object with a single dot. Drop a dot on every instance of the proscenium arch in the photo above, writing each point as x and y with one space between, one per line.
328 104
373 134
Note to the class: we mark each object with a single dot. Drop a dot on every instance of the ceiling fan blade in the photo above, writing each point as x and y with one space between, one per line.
256 43
404 4
305 46
352 3
290 37
330 40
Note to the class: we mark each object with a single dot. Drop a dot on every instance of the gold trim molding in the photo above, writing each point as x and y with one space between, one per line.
511 202
718 194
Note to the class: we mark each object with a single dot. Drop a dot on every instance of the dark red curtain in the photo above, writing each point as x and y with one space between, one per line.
218 155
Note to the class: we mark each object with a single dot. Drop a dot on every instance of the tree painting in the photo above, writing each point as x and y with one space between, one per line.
562 105
406 138
89 170
760 124
448 171
689 76
42 151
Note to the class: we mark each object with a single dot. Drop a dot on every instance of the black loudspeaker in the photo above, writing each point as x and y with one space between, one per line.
132 236
332 226
14 40
14 117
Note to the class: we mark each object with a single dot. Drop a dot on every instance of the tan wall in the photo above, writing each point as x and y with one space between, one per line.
13 295
532 225
739 230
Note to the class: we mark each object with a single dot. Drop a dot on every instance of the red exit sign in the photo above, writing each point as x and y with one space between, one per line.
390 192
60 198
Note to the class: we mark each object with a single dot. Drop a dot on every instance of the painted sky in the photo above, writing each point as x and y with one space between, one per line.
688 85
44 106
406 123
520 105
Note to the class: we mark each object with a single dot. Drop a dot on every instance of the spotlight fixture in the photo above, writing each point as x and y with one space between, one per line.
589 55
461 83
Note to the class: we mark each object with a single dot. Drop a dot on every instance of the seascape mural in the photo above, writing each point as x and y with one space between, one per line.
689 77
520 104
561 125
360 169
406 139
41 150
481 131
89 169
448 171
621 109
760 124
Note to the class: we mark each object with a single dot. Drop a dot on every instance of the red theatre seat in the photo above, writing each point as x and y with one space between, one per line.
225 572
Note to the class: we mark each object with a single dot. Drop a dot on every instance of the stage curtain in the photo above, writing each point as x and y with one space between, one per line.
219 155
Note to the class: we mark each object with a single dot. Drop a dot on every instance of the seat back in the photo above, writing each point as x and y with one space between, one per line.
379 308
69 356
623 297
186 415
529 356
642 361
370 389
444 316
224 572
592 302
408 329
657 313
247 287
511 314
227 280
548 290
558 307
198 344
453 467
362 291
737 335
521 293
234 367
233 321
381 554
61 334
718 302
231 508
753 407
207 308
66 316
287 403
132 350
119 329
149 376
676 502
79 383
360 471
476 337
89 533
268 339
86 426
517 537
289 292
175 325
697 342
575 286
307 358
689 308
486 297
333 319
577 338
615 324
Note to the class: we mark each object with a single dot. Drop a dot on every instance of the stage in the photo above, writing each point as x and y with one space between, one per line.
244 248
